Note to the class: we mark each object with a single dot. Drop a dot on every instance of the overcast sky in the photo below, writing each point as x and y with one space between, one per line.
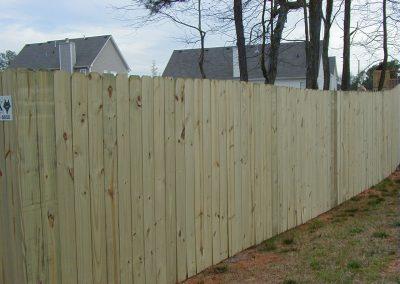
27 21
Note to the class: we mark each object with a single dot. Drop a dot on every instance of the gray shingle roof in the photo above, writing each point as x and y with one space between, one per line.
218 62
46 55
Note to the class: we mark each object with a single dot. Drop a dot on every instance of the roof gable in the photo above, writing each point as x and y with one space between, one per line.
46 55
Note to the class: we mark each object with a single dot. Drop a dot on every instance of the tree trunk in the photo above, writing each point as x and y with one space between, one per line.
385 49
276 36
315 17
275 44
307 45
325 55
264 35
241 44
346 46
202 36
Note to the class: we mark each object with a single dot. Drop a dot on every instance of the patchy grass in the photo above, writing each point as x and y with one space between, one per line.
354 264
357 242
220 269
268 245
356 230
288 241
380 235
289 281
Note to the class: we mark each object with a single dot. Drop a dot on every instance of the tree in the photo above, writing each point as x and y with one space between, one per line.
189 15
280 11
6 58
325 44
240 39
312 47
346 46
385 47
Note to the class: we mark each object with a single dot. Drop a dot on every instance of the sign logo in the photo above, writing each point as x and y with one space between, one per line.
6 108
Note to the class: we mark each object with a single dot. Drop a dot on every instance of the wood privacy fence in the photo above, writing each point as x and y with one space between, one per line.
151 180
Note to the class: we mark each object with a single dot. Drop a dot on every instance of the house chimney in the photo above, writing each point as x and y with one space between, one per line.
67 55
235 62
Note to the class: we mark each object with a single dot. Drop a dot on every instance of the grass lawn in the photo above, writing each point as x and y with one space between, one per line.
357 242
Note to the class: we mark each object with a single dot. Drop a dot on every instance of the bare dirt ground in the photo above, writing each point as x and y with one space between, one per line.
357 242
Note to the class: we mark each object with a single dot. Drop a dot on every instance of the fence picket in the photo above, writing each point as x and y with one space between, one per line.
96 180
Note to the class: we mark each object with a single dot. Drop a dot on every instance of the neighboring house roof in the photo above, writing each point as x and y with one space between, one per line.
45 55
219 62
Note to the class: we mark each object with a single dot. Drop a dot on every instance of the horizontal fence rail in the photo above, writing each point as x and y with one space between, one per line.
122 179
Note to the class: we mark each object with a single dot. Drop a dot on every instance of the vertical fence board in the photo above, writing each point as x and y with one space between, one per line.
300 133
198 174
207 171
230 144
180 179
123 176
223 171
267 159
215 172
136 161
245 142
159 175
274 161
96 178
148 178
14 248
292 186
189 178
237 220
170 153
65 176
81 177
29 180
282 116
257 162
111 176
47 175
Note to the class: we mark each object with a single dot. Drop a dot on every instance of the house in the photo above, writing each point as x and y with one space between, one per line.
222 63
88 54
391 78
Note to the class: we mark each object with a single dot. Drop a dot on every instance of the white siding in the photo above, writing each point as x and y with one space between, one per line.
294 83
109 61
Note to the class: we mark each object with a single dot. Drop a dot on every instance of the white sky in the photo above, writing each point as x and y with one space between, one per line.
27 21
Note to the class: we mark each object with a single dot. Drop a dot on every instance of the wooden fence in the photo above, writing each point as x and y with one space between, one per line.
109 179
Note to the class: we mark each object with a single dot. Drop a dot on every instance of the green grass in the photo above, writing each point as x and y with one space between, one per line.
356 230
355 198
268 245
315 265
376 201
289 281
354 264
316 224
380 235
